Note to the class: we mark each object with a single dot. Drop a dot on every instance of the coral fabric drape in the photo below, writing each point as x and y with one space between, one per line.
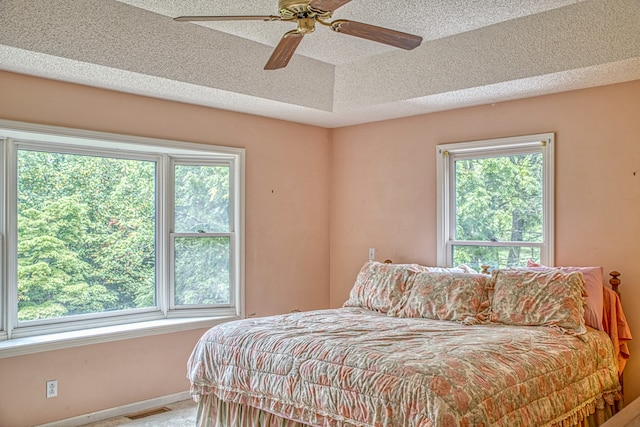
615 324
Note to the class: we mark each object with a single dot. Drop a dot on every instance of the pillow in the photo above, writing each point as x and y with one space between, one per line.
462 268
379 286
546 297
594 286
445 296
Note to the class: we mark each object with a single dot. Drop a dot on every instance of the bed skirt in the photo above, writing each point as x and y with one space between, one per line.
213 412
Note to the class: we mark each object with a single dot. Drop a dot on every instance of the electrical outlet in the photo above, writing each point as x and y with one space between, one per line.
372 254
52 389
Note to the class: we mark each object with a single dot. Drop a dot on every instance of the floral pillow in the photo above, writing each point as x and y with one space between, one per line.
594 285
380 286
446 296
539 298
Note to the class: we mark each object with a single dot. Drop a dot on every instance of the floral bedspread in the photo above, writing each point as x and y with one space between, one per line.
353 367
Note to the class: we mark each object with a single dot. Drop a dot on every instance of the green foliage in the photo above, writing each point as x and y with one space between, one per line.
45 310
498 199
202 270
202 199
78 215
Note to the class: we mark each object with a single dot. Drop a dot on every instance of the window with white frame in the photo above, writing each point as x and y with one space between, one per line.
102 229
495 201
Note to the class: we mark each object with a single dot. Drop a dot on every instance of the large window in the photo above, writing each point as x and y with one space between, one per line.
495 202
86 233
109 230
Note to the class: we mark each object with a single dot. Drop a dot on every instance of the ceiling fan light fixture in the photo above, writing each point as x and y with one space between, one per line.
306 25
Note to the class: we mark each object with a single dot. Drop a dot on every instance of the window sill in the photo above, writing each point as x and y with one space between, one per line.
57 341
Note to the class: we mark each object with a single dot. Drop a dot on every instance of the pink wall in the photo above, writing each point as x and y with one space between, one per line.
380 178
93 377
287 206
384 185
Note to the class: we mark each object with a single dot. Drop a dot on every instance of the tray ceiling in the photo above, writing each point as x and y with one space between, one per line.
474 52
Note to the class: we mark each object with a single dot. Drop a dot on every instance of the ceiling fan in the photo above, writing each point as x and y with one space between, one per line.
306 13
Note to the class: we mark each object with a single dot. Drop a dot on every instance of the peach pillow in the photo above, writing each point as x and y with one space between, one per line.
594 285
380 286
544 297
453 296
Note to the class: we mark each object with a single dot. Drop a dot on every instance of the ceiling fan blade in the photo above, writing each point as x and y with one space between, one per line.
284 51
377 34
327 5
227 18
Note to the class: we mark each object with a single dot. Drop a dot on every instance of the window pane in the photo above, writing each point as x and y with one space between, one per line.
86 234
201 199
202 270
499 199
494 256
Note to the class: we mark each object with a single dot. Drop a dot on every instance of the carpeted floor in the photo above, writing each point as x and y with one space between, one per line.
180 414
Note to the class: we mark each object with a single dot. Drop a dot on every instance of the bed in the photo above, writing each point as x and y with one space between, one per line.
419 346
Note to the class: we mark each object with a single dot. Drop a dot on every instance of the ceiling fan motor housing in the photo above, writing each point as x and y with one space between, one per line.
298 9
291 9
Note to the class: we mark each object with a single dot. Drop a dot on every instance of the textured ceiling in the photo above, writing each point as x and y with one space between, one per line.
474 52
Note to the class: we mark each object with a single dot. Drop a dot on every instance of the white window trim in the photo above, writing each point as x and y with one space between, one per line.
444 232
146 325
61 340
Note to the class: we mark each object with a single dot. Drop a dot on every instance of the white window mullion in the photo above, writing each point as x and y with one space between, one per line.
238 240
442 207
233 224
451 207
3 228
11 236
548 255
171 286
164 197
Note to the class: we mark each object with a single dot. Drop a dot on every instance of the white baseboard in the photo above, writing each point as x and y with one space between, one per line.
120 410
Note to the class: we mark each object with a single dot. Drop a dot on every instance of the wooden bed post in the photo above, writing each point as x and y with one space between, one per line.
614 281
